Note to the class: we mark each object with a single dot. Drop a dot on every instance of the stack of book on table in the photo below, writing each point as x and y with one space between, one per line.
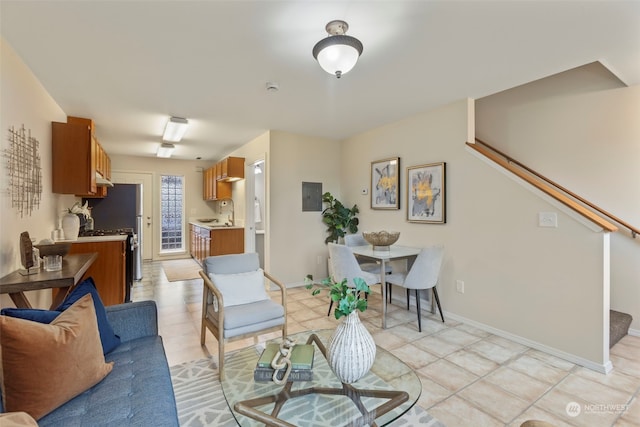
301 363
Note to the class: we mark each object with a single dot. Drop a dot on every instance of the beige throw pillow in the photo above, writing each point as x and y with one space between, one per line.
45 365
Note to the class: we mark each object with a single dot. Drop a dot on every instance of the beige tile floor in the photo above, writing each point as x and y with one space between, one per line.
469 377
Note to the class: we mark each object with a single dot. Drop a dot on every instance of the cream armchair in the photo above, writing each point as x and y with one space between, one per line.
235 303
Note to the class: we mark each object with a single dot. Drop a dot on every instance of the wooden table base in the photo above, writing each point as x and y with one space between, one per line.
395 399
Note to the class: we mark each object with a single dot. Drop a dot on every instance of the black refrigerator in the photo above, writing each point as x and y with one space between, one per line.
121 209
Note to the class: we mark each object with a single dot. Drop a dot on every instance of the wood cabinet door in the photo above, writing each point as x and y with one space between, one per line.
73 159
227 241
108 270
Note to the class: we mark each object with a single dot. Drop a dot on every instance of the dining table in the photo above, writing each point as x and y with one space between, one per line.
383 255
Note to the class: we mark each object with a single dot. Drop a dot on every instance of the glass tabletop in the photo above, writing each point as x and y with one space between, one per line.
314 409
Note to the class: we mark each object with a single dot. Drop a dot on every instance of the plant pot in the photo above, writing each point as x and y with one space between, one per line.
71 226
352 350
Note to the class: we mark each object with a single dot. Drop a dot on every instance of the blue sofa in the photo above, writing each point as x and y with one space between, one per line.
138 391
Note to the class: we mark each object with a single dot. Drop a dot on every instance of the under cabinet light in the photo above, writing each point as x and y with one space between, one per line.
175 129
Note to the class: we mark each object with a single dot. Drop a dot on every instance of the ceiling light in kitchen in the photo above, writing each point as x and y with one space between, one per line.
165 150
175 129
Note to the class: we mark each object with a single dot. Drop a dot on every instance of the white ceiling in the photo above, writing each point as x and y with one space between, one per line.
130 65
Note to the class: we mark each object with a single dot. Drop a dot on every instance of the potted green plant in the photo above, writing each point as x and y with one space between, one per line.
351 350
338 218
347 299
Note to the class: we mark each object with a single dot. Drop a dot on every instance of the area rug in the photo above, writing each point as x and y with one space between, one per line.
181 269
201 402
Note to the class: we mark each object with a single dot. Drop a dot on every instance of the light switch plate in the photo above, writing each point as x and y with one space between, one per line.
547 219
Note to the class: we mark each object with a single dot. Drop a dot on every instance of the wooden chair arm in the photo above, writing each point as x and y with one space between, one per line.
283 289
216 293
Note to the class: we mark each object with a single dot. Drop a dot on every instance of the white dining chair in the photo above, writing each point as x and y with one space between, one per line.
356 239
345 266
424 274
352 240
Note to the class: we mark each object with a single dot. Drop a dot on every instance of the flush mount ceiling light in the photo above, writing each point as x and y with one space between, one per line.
175 129
338 53
165 150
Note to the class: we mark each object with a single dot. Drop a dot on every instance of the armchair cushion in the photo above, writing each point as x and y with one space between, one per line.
241 288
246 318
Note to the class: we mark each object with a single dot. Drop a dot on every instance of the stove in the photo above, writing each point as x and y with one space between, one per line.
108 232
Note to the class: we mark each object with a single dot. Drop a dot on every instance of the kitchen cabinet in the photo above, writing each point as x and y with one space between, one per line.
232 169
76 158
215 241
212 188
108 270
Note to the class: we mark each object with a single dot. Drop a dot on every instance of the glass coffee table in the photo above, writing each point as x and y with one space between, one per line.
385 393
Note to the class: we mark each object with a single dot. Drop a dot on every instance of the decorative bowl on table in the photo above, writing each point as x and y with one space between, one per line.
381 238
57 248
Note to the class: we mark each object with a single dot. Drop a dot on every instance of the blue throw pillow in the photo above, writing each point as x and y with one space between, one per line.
109 339
33 314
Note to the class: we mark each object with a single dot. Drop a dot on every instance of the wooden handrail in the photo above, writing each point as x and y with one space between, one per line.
634 231
562 198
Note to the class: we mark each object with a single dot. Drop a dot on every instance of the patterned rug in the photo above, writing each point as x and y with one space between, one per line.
201 402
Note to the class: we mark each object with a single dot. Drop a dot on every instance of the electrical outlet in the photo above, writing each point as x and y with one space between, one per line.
319 260
460 286
547 219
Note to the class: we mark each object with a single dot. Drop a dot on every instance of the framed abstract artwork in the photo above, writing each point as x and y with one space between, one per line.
385 184
426 193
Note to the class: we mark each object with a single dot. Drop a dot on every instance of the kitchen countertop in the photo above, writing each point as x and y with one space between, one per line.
213 225
113 238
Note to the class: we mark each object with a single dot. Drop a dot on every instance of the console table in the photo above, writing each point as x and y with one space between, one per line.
73 268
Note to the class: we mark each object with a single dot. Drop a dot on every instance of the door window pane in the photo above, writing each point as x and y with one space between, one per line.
171 202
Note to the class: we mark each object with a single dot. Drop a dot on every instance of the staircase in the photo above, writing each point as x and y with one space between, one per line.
618 326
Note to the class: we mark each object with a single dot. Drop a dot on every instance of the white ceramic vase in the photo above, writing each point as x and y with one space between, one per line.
71 226
351 350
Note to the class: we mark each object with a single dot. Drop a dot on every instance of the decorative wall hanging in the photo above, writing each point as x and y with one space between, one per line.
24 171
385 185
425 193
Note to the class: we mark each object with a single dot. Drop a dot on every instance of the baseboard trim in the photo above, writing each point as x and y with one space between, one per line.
634 332
601 368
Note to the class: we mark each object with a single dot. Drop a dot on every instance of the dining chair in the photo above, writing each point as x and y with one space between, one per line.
345 266
356 239
235 303
423 274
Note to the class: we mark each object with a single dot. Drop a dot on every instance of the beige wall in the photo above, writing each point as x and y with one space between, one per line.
587 141
25 102
540 286
195 206
298 237
294 240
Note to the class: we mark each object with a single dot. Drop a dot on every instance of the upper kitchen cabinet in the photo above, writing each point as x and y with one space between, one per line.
80 164
232 169
217 179
214 189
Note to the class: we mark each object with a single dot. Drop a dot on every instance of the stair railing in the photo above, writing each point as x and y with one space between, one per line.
551 188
